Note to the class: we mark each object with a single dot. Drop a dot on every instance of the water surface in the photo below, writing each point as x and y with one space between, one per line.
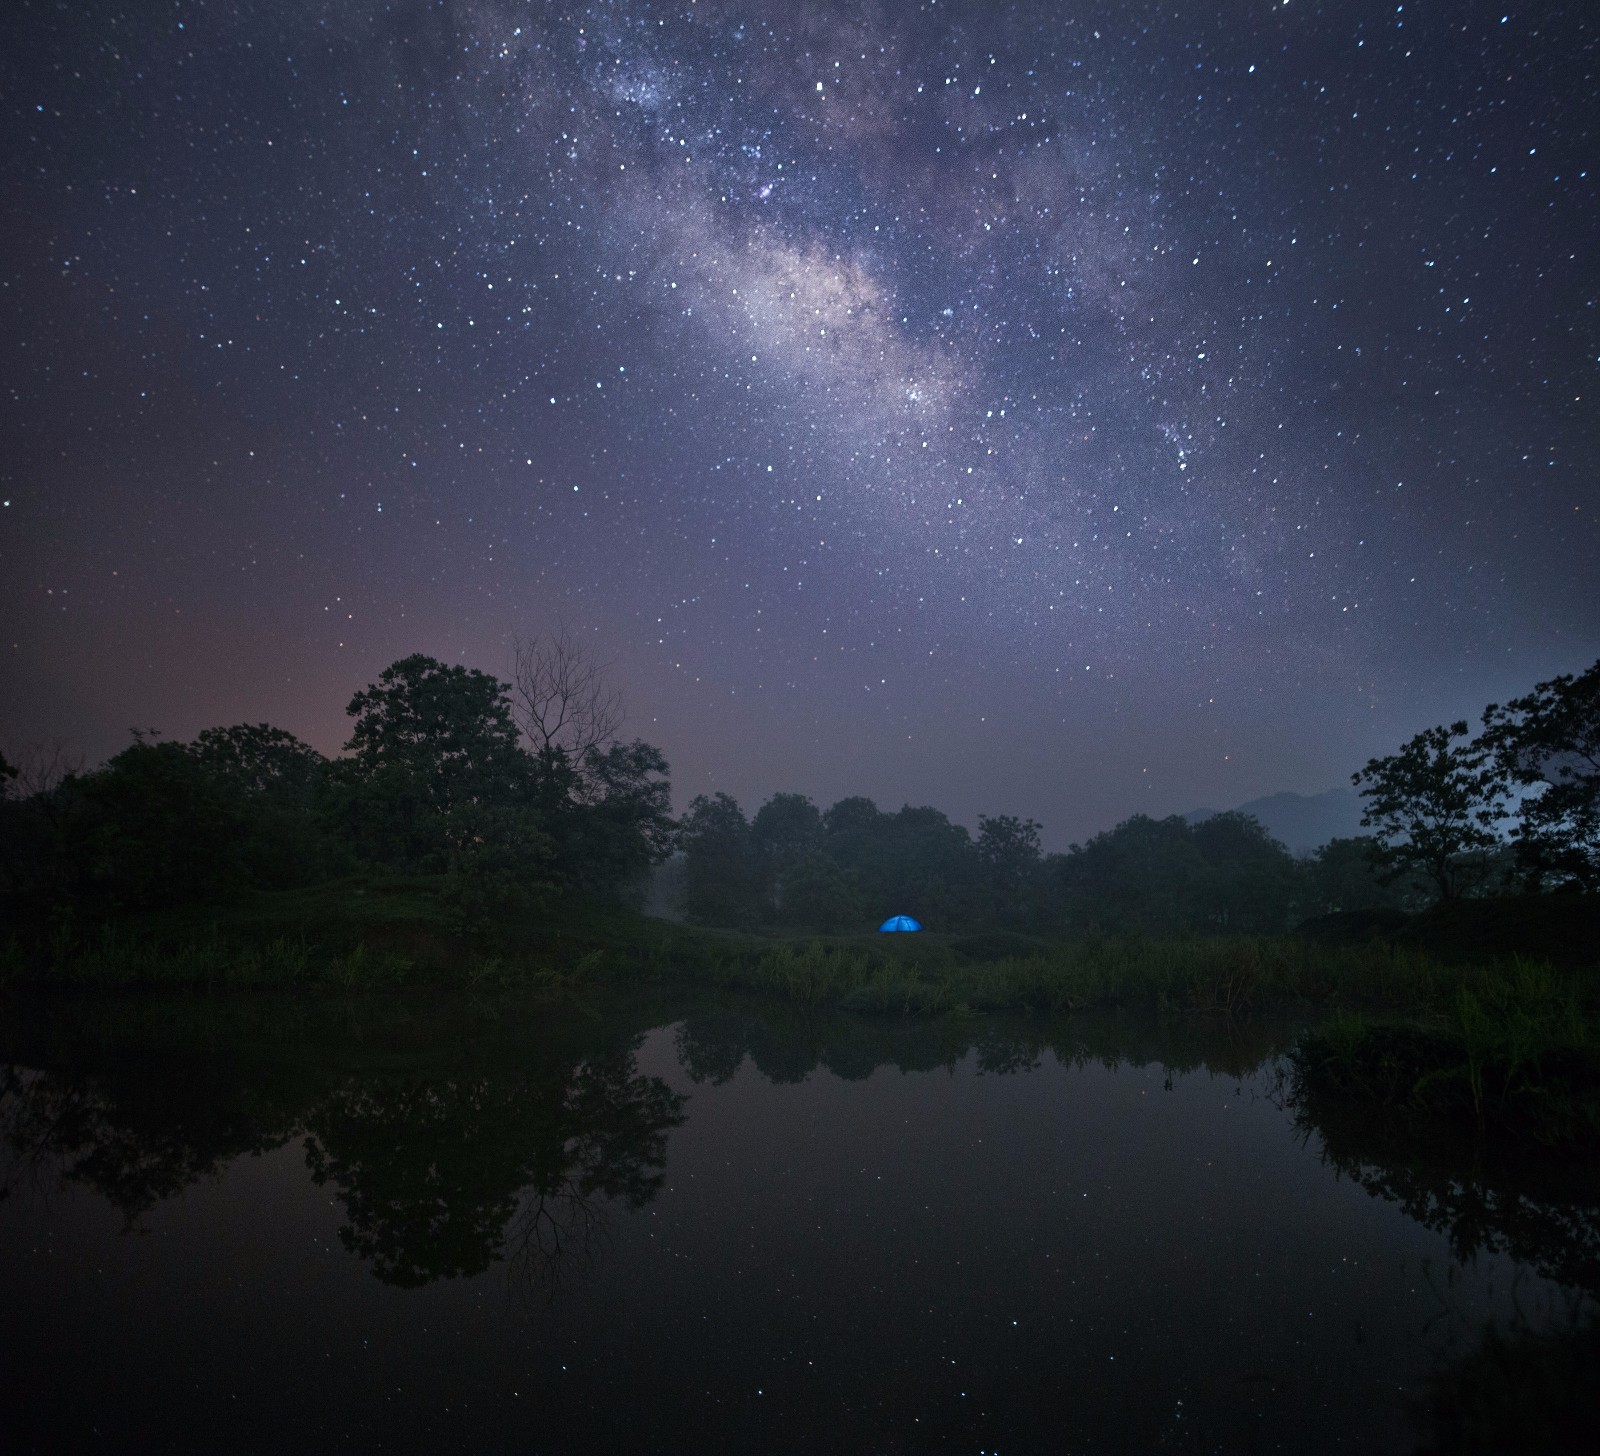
457 1225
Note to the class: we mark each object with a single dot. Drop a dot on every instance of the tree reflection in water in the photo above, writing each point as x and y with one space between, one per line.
512 1151
785 1044
1485 1197
1517 1385
512 1142
440 1173
1528 1386
618 1154
118 1132
439 1176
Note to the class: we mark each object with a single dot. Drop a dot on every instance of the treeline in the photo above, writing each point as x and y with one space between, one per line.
516 793
849 866
439 778
1514 808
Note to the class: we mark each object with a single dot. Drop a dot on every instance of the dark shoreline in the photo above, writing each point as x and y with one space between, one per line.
1482 1014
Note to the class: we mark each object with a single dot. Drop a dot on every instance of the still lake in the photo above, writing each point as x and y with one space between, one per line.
488 1225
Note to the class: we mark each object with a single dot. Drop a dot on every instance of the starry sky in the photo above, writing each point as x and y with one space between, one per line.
1060 409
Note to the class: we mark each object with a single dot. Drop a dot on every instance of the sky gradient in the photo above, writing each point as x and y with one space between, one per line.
1062 410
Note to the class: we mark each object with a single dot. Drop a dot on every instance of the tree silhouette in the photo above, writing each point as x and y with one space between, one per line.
1549 742
434 767
1434 806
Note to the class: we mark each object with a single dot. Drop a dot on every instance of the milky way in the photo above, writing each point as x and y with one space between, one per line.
1050 409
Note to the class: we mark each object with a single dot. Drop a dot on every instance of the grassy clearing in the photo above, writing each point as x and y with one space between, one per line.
364 933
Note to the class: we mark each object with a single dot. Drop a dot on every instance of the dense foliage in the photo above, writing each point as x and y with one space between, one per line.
1445 808
436 779
848 867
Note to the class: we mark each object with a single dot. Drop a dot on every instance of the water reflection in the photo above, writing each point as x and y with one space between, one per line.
1526 1385
438 1174
511 1151
134 1138
897 1236
787 1045
1541 1210
441 1170
1524 1388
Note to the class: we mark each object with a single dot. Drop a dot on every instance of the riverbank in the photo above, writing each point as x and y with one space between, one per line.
369 932
1443 1015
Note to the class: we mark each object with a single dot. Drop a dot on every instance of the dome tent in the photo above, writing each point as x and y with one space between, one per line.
899 922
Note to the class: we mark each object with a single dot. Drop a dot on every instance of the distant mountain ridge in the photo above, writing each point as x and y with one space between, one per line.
1303 822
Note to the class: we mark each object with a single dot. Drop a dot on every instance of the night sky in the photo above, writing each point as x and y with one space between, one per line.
1056 409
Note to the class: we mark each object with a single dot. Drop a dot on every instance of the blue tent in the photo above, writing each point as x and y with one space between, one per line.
899 922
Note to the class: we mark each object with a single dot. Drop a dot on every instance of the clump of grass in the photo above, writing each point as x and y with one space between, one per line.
897 989
1510 1047
813 972
365 969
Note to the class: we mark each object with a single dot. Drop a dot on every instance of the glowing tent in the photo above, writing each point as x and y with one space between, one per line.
899 922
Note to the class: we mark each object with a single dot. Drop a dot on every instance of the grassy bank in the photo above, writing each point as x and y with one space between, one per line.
371 932
1233 976
1511 1047
1410 1022
1407 1021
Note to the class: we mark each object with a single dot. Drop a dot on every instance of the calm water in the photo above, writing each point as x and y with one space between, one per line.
489 1227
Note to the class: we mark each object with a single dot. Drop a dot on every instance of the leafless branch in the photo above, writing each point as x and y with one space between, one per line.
41 766
552 1241
561 696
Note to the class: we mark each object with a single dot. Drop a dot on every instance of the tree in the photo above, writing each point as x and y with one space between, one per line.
607 805
786 827
39 802
435 764
623 820
1249 885
451 726
43 767
261 762
1143 876
1434 806
153 827
785 830
1549 743
1008 857
852 818
911 862
720 882
1348 875
819 895
272 778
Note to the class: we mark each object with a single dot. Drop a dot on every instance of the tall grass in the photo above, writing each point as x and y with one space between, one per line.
1229 976
109 958
1512 1047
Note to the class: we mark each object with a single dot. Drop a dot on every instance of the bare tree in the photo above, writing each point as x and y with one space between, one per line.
561 697
40 767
